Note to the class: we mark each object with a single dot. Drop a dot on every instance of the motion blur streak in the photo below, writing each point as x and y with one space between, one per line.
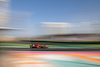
50 59
69 28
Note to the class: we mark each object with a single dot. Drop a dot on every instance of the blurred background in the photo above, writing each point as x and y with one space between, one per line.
70 29
33 19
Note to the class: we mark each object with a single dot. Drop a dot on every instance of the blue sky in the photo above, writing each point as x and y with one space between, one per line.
69 11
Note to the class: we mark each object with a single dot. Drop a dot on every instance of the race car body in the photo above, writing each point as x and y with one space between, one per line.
37 46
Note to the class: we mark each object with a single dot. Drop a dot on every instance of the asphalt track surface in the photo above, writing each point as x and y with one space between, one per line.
51 49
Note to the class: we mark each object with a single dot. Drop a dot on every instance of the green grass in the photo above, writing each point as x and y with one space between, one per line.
12 44
74 45
27 45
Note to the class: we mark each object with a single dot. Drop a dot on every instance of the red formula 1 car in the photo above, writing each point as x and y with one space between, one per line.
38 46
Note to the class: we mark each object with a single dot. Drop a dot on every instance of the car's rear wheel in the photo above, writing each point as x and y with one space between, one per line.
31 45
